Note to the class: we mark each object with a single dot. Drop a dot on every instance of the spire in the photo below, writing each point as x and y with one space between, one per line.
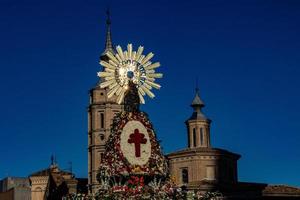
52 159
197 101
197 104
108 42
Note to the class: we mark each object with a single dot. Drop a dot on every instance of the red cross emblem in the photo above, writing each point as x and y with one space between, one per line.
137 138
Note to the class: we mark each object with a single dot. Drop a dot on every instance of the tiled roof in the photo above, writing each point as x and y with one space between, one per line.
281 189
201 150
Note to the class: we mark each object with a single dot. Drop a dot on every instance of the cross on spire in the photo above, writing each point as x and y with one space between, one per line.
108 41
52 159
197 104
137 138
108 16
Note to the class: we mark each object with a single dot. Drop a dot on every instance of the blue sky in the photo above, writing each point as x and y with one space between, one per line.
244 53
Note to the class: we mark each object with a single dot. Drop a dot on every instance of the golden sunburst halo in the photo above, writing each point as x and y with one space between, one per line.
125 66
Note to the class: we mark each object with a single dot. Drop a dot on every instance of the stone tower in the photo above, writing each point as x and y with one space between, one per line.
101 111
198 126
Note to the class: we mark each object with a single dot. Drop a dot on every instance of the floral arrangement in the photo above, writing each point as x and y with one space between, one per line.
114 163
148 195
120 179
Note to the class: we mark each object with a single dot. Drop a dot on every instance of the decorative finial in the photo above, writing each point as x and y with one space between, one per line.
197 86
70 166
197 105
52 159
197 100
108 21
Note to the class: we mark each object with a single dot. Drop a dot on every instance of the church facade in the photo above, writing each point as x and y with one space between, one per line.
52 183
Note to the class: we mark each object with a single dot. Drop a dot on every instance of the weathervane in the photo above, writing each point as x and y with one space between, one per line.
127 68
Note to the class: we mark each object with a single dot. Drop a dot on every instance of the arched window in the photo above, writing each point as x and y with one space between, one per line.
102 137
38 193
210 172
38 189
101 156
89 122
194 137
201 136
102 120
185 175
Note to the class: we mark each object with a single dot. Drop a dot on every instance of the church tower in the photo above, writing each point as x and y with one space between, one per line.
101 111
201 166
198 125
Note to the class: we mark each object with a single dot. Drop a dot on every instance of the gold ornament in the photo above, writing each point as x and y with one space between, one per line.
126 66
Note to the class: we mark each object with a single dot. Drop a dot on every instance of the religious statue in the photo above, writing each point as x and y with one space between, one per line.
133 163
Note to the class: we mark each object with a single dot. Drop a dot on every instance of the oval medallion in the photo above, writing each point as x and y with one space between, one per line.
135 143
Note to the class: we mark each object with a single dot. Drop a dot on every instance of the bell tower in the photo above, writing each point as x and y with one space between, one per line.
198 125
101 111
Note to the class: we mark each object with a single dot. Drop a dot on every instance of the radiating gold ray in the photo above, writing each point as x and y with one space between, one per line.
105 74
109 70
129 49
113 85
151 71
142 100
150 78
107 83
112 57
141 91
112 63
112 91
139 53
153 66
126 55
109 78
155 85
119 91
147 86
119 58
156 75
107 65
141 58
147 58
121 96
148 92
133 55
120 52
147 64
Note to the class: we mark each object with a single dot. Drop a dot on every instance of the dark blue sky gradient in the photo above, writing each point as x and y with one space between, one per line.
246 55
